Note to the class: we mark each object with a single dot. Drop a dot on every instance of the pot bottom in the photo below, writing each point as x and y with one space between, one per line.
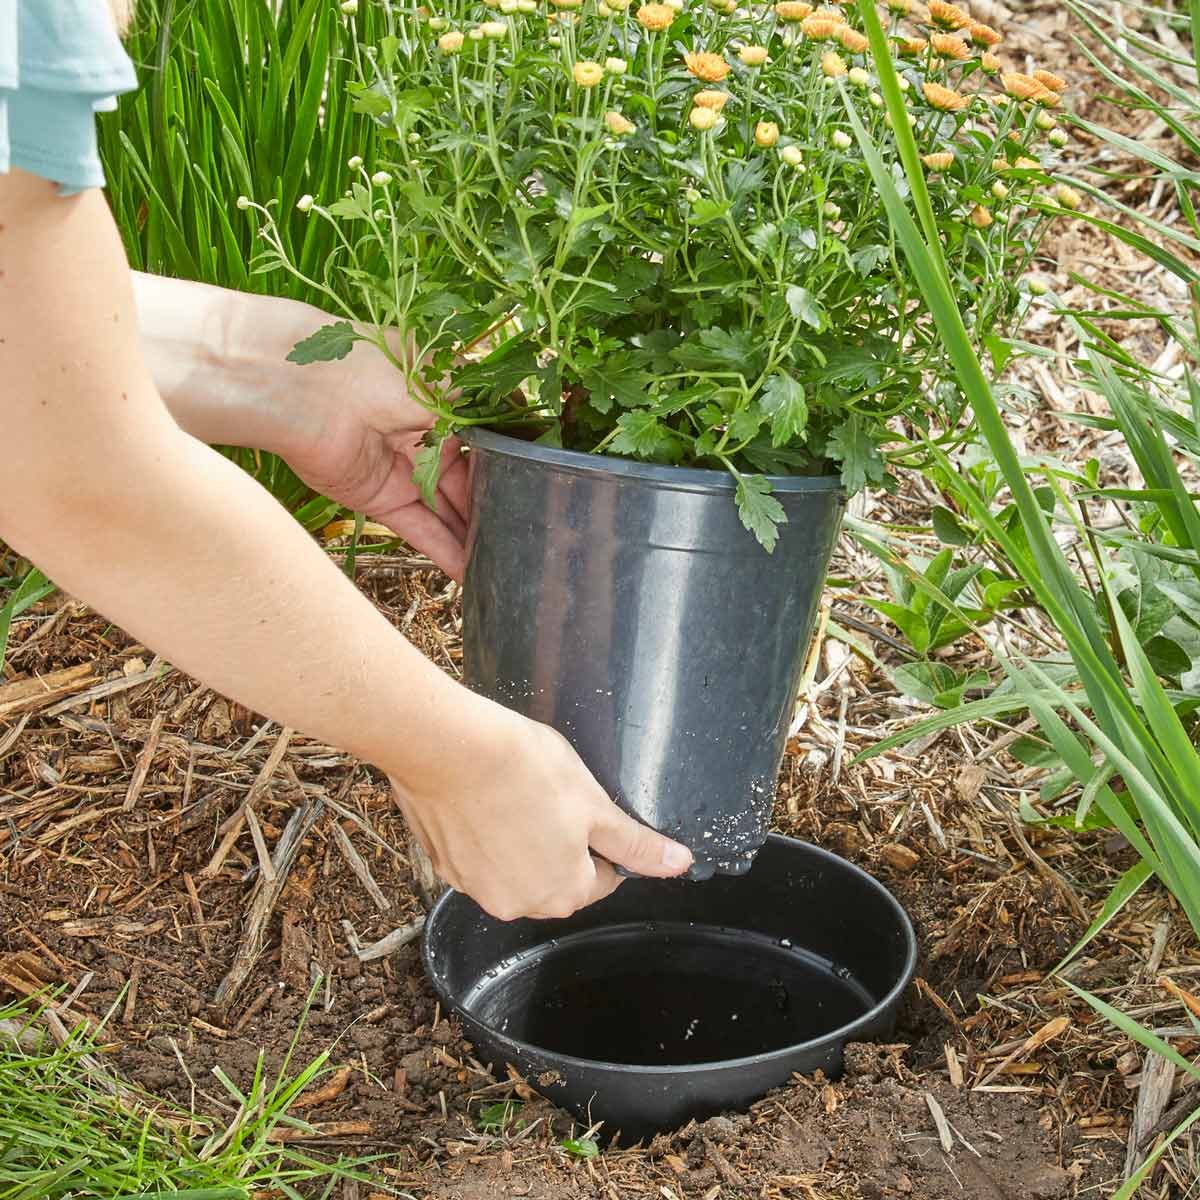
666 994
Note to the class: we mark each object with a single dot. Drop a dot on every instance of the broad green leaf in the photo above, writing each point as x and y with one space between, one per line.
783 400
327 344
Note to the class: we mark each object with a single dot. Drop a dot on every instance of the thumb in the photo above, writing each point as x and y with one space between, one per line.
636 847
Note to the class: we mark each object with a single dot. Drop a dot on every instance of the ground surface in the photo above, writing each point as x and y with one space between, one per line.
142 818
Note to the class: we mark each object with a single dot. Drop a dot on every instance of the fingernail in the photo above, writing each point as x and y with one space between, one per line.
676 857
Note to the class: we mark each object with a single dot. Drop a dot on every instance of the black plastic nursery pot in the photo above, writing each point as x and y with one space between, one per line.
672 1000
625 604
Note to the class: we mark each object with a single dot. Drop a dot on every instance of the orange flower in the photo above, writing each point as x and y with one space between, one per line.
655 17
984 35
855 42
980 217
948 16
1023 87
943 98
618 124
991 64
943 160
712 68
792 10
832 64
912 47
1056 83
766 134
946 45
711 99
820 29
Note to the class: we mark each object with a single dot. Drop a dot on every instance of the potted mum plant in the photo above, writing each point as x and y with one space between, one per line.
640 243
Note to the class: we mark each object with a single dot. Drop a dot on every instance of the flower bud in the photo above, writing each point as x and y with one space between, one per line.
381 178
305 203
792 156
1067 196
841 139
618 124
616 66
476 34
1037 287
618 5
831 210
448 43
980 217
766 134
508 7
494 29
859 77
876 100
999 190
677 5
1058 137
438 23
904 83
691 195
703 118
587 74
753 56
349 7
832 65
554 40
243 202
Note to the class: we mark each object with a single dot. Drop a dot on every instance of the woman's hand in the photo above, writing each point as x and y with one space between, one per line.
348 428
519 823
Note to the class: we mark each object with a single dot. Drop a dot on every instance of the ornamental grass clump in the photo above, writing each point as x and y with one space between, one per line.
683 260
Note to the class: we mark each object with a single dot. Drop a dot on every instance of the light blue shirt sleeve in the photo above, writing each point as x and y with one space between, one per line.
61 62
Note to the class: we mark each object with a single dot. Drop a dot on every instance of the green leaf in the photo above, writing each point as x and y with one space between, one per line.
948 529
759 511
580 1147
643 435
329 343
784 402
427 463
705 210
618 376
804 306
852 446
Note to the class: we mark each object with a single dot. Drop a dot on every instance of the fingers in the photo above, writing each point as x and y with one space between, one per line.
636 847
427 532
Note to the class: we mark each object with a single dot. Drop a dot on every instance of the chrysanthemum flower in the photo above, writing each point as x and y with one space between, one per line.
1058 137
943 98
616 66
859 77
980 217
1023 87
948 16
1056 83
841 139
820 29
702 118
1067 196
766 134
792 156
792 10
855 42
451 43
946 45
618 124
942 160
984 35
899 7
711 98
991 64
712 68
494 29
753 56
587 74
832 65
655 17
912 47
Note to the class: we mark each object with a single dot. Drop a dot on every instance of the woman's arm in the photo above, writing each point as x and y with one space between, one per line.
102 489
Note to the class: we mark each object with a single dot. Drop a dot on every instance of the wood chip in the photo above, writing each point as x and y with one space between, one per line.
29 695
945 1136
331 1089
322 1129
142 767
954 1066
1158 1078
391 942
358 865
898 857
1035 1041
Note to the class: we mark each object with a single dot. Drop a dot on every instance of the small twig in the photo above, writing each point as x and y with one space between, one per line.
945 1136
142 767
392 942
359 867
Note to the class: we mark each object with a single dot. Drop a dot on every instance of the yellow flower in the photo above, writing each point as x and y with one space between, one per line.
948 16
494 29
792 10
899 7
753 56
912 47
792 156
943 160
655 17
617 5
1023 87
616 66
943 98
855 42
1068 197
999 190
451 43
980 217
984 35
1056 83
991 64
711 99
832 65
702 118
618 125
766 134
712 68
587 74
946 45
820 29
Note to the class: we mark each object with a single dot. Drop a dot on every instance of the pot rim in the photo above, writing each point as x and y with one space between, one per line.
844 1035
653 474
